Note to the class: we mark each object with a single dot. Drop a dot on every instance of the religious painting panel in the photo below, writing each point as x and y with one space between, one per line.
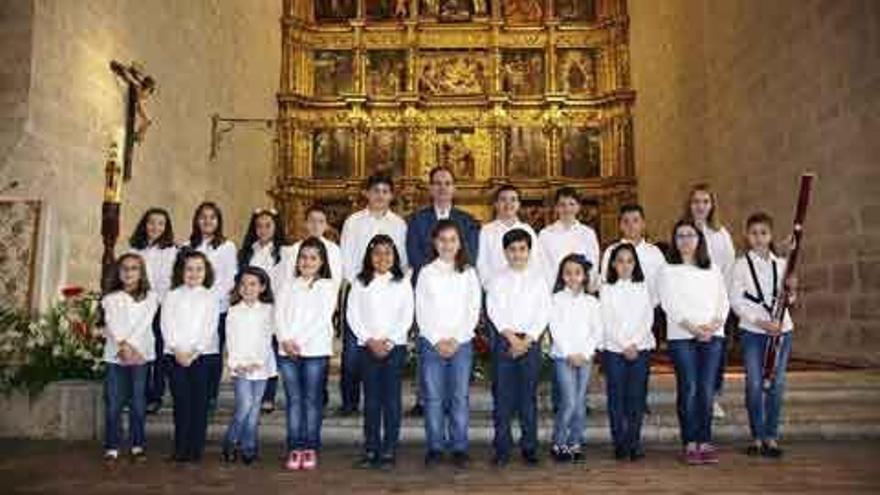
379 10
575 10
522 72
332 153
386 151
458 148
334 72
335 10
576 72
526 152
453 73
580 152
386 72
523 11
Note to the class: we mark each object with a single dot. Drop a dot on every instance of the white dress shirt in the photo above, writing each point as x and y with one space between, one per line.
575 324
651 260
359 229
127 320
304 315
249 330
381 310
692 294
261 257
721 250
334 259
448 302
627 315
558 240
224 261
490 258
742 283
519 301
189 321
160 267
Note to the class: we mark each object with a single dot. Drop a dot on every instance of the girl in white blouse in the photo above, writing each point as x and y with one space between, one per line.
304 328
207 237
129 307
250 359
627 316
189 323
693 295
576 329
448 300
263 247
380 313
153 240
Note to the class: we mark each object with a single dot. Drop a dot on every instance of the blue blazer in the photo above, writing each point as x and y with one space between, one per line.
419 250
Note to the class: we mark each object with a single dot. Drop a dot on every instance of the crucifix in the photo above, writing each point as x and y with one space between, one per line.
137 121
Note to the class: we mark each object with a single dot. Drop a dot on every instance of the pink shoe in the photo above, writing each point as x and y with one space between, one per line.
708 453
310 460
691 456
294 461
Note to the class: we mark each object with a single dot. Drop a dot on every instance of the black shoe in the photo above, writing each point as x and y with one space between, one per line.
387 462
460 460
154 407
417 411
368 461
773 452
346 411
530 458
500 461
620 453
637 454
432 459
178 459
577 455
247 460
560 454
267 407
139 457
229 456
753 450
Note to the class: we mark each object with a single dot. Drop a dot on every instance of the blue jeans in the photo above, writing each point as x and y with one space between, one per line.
382 400
764 406
627 390
304 389
516 387
189 387
243 429
157 370
215 363
445 387
571 416
696 368
125 384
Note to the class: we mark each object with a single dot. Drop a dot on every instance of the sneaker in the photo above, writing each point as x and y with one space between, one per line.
718 411
637 454
368 461
138 455
387 462
708 454
309 460
460 460
267 407
248 459
771 451
294 461
432 459
110 457
691 456
560 453
620 453
229 455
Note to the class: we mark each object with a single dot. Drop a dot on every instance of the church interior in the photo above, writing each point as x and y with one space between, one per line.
284 103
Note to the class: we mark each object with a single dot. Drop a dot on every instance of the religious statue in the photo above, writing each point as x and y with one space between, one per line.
386 73
523 10
137 120
331 153
453 152
453 74
523 72
574 10
525 152
575 72
455 10
333 72
386 151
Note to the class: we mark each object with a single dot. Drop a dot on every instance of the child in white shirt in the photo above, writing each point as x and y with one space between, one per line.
250 359
380 313
576 328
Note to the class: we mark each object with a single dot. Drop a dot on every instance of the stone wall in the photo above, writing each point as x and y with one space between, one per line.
747 95
214 56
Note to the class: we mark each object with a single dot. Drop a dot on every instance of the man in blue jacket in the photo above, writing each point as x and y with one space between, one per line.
419 249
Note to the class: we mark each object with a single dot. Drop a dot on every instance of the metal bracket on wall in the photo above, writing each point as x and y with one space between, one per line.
221 126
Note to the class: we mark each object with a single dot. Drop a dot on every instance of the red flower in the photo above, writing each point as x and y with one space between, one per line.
72 291
81 329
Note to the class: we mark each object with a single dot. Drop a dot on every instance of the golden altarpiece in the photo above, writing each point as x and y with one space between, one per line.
531 92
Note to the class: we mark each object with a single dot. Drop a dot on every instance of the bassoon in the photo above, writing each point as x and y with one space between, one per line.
774 345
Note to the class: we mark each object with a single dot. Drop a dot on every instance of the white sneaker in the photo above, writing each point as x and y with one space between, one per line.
718 411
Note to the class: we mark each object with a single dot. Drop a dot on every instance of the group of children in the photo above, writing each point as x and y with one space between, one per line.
269 308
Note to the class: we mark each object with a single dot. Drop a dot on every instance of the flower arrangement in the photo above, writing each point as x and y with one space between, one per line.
61 344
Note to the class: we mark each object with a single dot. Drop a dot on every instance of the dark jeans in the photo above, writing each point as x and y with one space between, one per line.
350 380
516 386
215 363
627 391
764 406
125 384
382 400
271 383
696 368
445 385
189 387
158 370
304 390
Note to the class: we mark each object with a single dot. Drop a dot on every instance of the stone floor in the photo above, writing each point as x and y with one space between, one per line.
75 468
